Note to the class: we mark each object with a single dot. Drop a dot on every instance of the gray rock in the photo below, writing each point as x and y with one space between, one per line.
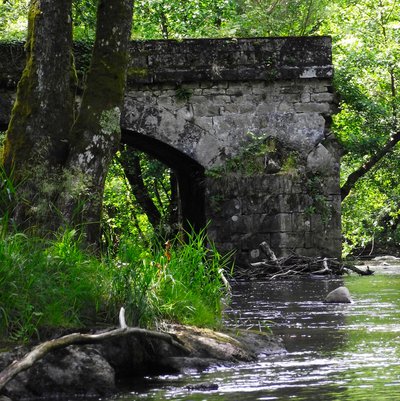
90 370
339 295
75 370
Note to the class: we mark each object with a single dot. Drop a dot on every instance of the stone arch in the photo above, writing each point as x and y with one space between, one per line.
189 173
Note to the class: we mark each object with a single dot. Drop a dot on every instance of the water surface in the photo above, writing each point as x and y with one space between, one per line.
342 352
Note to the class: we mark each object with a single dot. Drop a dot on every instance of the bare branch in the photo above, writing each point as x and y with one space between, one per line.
43 349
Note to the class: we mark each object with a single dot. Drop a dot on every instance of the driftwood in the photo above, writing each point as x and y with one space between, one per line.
269 253
295 265
42 349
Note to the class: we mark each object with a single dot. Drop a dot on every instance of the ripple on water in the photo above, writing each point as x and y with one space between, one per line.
335 352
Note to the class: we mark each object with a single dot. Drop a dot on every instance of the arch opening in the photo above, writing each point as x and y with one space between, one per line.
189 174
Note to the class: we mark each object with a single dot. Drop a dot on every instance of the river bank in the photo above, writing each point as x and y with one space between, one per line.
95 370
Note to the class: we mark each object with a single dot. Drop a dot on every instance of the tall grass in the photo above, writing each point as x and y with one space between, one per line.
48 284
183 284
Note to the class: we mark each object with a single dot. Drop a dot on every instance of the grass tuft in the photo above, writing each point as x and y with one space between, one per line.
51 284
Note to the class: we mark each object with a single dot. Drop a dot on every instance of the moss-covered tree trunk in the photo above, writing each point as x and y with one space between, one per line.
96 133
37 138
60 164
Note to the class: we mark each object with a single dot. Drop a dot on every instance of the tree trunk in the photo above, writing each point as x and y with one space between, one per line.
130 162
59 171
96 133
37 137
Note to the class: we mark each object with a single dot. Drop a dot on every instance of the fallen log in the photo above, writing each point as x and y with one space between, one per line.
43 349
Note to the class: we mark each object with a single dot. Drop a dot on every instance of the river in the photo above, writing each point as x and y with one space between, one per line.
340 352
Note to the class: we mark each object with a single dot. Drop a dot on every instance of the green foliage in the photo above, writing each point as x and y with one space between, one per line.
191 282
252 18
183 94
366 52
13 19
84 17
8 201
175 19
122 214
259 154
221 18
46 284
371 213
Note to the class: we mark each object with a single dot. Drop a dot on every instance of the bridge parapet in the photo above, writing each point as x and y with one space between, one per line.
215 60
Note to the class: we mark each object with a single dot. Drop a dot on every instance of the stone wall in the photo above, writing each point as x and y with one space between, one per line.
255 113
254 116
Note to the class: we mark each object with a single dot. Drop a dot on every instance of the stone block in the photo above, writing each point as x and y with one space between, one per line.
252 240
291 88
229 108
220 100
234 91
287 240
301 222
265 108
320 160
259 88
166 102
305 97
285 107
317 225
205 108
313 108
323 97
332 184
205 123
281 222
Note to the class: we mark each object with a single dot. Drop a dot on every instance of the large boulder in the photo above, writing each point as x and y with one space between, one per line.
96 370
340 295
74 370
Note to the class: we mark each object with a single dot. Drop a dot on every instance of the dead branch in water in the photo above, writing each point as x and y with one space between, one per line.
42 349
295 265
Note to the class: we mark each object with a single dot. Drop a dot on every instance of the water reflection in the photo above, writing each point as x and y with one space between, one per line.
346 352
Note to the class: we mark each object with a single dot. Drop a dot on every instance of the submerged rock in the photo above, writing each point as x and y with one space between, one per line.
97 370
202 387
339 295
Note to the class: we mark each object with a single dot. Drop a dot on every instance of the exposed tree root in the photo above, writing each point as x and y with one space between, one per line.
42 349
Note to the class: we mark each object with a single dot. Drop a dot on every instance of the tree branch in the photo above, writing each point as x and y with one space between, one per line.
366 167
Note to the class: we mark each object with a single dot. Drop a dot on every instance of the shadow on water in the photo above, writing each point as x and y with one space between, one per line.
342 352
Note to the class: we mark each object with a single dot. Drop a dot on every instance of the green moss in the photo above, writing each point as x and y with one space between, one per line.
106 75
138 72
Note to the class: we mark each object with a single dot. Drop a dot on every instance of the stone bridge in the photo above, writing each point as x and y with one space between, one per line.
245 124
